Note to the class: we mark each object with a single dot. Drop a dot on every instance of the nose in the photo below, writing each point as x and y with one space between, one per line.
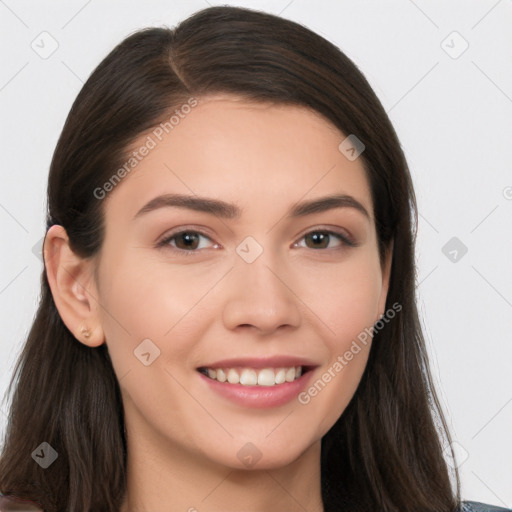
261 296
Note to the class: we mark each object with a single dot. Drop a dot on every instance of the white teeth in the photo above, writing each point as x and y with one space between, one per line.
290 375
280 376
266 377
233 377
248 377
252 377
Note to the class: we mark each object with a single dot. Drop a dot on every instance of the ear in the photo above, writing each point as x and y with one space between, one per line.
74 291
386 273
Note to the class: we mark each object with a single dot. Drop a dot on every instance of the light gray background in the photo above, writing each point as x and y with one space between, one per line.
453 116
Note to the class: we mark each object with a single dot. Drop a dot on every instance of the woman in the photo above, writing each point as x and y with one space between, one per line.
258 369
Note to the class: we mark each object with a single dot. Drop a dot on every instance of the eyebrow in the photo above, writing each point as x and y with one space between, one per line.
232 211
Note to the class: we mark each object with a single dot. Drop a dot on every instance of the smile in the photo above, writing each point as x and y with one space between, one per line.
254 377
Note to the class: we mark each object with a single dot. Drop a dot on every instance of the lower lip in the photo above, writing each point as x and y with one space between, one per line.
259 397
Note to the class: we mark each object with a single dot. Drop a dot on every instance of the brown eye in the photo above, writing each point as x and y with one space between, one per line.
320 239
185 241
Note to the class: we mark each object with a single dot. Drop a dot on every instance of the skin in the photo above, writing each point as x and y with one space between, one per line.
297 300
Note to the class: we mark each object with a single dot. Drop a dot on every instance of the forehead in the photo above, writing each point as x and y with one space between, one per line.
259 155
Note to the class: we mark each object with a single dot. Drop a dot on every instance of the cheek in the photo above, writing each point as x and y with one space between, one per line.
345 296
347 305
148 299
144 300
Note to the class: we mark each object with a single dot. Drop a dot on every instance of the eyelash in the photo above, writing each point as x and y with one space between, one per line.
164 243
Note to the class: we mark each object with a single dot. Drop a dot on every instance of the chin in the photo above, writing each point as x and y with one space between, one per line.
251 458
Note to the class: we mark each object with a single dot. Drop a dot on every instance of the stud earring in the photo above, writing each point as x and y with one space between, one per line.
85 332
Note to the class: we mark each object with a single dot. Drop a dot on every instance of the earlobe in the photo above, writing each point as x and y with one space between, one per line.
72 285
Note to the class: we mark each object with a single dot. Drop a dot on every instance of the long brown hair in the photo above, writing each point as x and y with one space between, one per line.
385 452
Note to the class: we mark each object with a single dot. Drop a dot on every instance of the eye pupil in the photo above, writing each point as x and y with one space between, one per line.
318 236
188 238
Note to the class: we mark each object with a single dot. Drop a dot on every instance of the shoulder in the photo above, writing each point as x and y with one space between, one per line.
12 504
476 506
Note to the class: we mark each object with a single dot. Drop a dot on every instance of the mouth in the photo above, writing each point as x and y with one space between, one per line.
264 377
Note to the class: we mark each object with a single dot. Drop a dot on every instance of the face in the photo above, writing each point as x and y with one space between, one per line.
259 286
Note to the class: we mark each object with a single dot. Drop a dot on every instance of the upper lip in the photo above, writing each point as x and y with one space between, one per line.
262 362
